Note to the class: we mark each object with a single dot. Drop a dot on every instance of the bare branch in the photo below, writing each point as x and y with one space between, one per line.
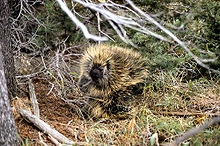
120 20
185 114
130 22
195 131
47 129
79 24
119 33
33 99
149 18
99 28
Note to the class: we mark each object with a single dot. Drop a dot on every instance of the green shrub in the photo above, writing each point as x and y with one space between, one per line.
55 25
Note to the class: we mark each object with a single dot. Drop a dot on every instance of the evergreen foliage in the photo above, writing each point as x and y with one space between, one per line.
56 25
200 19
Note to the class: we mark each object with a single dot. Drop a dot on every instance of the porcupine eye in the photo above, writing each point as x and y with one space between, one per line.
96 73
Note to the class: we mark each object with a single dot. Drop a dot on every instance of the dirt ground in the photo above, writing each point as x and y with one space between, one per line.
53 111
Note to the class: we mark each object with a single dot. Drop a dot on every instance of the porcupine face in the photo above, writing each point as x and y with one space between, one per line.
99 73
95 73
94 77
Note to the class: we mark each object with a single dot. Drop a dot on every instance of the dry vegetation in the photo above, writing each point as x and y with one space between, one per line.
172 102
167 113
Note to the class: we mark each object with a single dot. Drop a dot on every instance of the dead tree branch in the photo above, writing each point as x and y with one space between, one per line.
111 17
33 99
47 129
185 114
79 24
195 131
182 44
120 17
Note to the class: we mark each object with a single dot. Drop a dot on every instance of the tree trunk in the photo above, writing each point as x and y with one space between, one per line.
8 131
5 40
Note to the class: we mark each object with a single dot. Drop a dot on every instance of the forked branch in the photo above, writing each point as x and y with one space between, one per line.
120 17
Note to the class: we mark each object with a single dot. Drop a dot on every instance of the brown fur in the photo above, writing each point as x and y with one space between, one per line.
108 74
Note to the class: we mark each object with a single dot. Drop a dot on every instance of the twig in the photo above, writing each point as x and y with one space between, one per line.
33 99
54 141
58 68
118 32
47 129
195 131
149 18
119 20
148 128
50 89
99 28
79 24
185 113
41 139
30 75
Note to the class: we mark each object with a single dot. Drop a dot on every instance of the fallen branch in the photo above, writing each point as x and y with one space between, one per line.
194 131
54 141
185 114
33 99
47 129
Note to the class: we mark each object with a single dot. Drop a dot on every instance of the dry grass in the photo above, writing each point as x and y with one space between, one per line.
150 124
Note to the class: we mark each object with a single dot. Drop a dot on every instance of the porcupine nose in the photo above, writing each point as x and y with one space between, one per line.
96 74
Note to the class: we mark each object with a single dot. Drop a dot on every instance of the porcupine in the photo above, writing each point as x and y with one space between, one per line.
108 76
